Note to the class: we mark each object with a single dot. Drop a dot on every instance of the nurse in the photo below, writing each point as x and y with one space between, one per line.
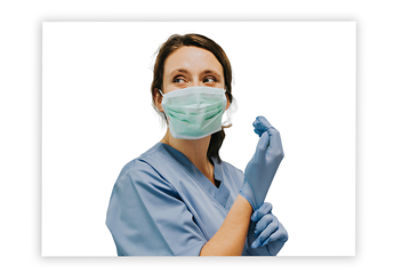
179 197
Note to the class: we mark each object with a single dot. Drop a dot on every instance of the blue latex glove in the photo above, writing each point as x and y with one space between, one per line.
261 169
268 230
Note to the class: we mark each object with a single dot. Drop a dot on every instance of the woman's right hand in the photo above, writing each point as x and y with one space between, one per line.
267 230
261 169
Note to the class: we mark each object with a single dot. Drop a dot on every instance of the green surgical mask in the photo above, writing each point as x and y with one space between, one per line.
194 112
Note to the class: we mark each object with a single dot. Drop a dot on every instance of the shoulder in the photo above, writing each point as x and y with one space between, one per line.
140 166
140 174
136 167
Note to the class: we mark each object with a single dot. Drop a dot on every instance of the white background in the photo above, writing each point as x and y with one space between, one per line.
97 116
377 136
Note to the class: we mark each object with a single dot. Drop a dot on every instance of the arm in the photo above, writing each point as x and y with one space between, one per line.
259 173
230 238
146 217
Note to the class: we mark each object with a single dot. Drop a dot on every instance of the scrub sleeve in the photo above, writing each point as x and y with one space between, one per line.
146 216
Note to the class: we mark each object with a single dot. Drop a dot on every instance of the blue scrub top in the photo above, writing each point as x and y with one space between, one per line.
161 204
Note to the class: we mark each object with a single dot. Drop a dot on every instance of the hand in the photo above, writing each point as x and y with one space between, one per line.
269 231
261 169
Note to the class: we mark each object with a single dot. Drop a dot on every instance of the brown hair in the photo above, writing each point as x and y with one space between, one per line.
175 42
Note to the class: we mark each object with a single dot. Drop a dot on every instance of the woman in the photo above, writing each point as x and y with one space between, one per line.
179 197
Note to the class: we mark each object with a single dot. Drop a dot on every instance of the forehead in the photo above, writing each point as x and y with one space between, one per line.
193 59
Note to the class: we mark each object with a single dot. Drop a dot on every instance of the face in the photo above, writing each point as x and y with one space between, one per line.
191 66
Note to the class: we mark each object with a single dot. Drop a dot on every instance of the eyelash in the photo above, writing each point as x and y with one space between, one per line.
177 78
180 77
212 77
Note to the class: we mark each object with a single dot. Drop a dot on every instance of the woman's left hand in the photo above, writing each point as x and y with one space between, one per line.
268 230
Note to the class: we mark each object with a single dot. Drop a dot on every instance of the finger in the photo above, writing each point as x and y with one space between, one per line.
262 145
260 212
258 132
279 234
264 236
263 223
275 141
262 241
258 128
261 125
257 124
266 233
263 122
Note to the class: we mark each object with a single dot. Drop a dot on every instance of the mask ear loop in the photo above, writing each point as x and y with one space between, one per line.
163 113
228 121
226 124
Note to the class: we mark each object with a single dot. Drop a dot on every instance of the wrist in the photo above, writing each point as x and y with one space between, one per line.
247 193
244 201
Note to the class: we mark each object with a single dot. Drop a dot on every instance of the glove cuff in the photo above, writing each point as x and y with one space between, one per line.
245 193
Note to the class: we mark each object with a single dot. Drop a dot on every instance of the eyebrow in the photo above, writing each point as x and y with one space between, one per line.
207 71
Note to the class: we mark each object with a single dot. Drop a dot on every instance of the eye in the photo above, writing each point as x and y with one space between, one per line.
210 79
178 79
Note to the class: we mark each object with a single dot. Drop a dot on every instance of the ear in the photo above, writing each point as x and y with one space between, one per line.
157 100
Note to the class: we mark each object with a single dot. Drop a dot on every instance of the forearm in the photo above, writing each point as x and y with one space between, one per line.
230 238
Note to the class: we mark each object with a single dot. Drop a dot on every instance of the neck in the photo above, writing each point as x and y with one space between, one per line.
195 150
